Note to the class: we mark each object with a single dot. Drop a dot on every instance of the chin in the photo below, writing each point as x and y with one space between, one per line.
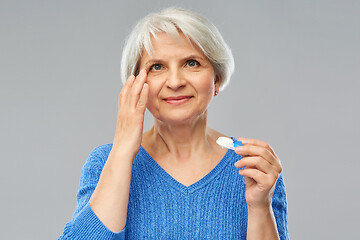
180 117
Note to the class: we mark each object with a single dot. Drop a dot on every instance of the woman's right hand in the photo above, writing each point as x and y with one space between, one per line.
109 201
130 119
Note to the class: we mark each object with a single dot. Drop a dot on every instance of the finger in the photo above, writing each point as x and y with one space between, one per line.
128 84
257 175
257 142
255 162
143 98
125 90
252 150
137 87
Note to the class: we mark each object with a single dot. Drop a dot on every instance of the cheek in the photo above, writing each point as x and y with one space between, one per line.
206 84
154 90
211 87
154 82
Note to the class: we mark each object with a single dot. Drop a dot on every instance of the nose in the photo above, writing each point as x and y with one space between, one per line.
175 79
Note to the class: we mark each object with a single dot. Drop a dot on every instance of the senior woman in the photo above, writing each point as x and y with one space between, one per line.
174 181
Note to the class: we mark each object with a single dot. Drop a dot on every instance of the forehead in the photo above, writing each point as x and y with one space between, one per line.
168 46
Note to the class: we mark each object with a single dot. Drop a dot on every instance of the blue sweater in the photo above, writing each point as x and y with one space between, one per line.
162 208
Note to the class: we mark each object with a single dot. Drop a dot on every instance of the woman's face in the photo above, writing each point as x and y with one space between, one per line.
181 80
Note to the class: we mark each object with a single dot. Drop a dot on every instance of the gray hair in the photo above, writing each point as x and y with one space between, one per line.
172 21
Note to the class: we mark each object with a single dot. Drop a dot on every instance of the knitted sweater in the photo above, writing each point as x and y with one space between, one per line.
162 208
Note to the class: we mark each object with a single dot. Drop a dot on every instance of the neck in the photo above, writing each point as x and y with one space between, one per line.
182 141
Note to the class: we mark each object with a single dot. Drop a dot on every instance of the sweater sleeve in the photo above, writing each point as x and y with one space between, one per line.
279 204
85 224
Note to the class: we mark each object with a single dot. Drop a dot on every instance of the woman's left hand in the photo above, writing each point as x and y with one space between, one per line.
261 170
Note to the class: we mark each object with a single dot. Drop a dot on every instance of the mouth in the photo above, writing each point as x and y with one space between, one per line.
176 100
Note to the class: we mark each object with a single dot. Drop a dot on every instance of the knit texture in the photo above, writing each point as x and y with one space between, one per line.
162 208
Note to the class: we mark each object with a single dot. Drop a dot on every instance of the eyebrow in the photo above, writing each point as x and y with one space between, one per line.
192 56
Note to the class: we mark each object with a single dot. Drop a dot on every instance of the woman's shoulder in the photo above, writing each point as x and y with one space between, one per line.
99 154
102 150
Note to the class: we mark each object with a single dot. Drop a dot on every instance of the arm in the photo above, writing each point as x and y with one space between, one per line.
106 193
85 224
261 224
261 169
110 198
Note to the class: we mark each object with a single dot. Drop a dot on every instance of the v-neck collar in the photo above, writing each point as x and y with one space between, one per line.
176 184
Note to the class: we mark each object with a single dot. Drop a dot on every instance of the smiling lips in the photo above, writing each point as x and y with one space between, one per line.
177 100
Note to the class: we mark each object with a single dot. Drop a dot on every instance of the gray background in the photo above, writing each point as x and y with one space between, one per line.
295 85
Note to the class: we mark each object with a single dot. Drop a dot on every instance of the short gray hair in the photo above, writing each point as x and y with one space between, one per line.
172 21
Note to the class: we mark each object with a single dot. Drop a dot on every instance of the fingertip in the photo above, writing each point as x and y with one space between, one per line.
142 72
145 87
145 90
237 164
238 149
129 82
130 78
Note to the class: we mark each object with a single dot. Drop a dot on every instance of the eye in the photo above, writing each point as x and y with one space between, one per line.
192 63
155 67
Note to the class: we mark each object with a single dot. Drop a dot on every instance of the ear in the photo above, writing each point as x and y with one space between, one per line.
217 84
